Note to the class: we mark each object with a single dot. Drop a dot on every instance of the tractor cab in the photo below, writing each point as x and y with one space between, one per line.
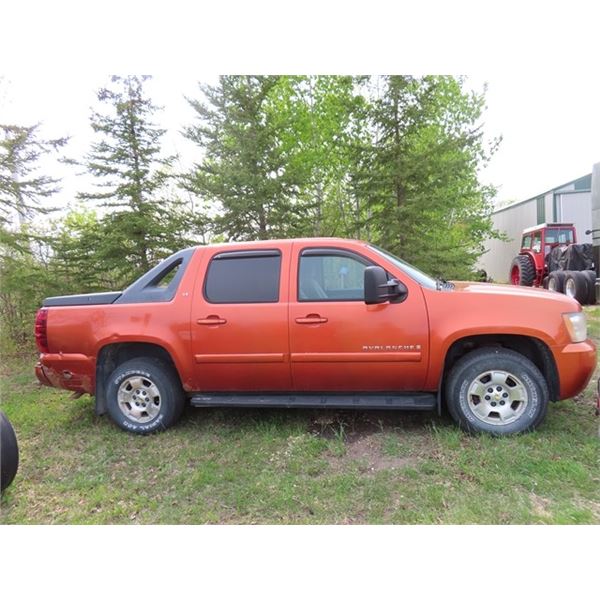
529 267
547 236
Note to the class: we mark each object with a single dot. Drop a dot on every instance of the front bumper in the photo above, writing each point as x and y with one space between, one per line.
75 372
576 364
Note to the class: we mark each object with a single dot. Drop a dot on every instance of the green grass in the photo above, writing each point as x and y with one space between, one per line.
290 466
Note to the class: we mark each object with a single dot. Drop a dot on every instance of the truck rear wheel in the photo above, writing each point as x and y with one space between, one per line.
496 391
522 271
591 277
577 286
144 395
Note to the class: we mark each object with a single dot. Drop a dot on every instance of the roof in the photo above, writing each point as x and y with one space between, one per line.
544 225
279 242
558 188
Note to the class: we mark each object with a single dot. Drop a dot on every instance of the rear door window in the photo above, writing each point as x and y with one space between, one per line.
243 277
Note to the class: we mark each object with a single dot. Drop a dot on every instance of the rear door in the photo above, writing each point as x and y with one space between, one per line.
239 321
340 344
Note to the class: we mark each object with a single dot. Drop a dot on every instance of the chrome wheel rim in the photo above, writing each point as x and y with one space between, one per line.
552 284
497 397
570 288
139 399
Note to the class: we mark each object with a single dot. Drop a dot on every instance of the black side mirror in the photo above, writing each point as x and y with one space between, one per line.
378 289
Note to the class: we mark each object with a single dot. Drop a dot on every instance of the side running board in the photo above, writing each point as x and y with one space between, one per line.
408 401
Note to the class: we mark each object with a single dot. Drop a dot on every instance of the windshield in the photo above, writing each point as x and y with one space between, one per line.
420 277
559 236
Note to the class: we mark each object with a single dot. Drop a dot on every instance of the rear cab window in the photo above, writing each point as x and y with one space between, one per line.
243 277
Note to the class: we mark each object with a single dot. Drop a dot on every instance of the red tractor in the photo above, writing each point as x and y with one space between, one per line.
568 269
529 267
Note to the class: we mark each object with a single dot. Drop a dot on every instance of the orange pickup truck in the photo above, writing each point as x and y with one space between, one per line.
319 322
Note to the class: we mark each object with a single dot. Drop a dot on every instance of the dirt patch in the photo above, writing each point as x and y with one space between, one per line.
540 506
365 450
333 423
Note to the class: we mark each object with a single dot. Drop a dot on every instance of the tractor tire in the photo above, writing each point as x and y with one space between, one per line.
591 276
9 452
556 281
522 271
577 286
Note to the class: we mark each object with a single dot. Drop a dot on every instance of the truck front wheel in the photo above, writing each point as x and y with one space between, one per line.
144 395
497 391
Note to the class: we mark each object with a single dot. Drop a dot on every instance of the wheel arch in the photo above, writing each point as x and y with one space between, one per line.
111 355
531 347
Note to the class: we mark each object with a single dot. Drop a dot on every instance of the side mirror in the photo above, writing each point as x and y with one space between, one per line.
378 289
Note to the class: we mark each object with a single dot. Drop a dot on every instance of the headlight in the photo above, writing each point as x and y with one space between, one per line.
576 326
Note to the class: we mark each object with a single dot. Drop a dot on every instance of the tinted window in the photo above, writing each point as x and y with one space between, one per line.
243 279
331 277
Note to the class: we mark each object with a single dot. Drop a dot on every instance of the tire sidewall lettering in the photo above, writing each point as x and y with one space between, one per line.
157 422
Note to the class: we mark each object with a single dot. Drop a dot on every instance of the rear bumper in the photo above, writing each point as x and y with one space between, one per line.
576 364
74 372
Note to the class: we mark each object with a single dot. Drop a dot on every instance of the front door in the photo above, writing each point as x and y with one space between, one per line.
340 344
239 321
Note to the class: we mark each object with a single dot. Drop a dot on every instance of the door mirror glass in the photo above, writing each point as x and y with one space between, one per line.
380 289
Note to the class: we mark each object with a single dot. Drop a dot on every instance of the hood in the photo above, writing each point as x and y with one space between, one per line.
516 291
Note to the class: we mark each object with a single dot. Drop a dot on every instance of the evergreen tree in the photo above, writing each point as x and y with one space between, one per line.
416 177
143 224
23 189
250 170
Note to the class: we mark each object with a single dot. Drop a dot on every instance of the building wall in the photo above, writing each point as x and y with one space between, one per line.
568 203
576 208
511 221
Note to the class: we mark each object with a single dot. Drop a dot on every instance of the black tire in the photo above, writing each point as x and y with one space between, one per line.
578 286
591 277
521 375
159 388
9 452
556 281
526 270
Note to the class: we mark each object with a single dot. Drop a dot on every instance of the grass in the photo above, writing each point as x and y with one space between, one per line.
294 466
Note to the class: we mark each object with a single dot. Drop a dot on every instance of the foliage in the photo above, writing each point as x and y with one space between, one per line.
144 223
416 177
23 189
26 278
247 171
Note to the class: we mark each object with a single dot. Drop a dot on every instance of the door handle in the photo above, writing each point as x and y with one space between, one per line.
311 320
211 320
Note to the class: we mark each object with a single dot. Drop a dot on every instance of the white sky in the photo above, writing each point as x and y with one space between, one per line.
550 126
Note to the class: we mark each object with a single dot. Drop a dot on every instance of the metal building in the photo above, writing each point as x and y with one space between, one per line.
567 203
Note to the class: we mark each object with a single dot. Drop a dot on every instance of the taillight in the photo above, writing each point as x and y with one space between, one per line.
41 330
